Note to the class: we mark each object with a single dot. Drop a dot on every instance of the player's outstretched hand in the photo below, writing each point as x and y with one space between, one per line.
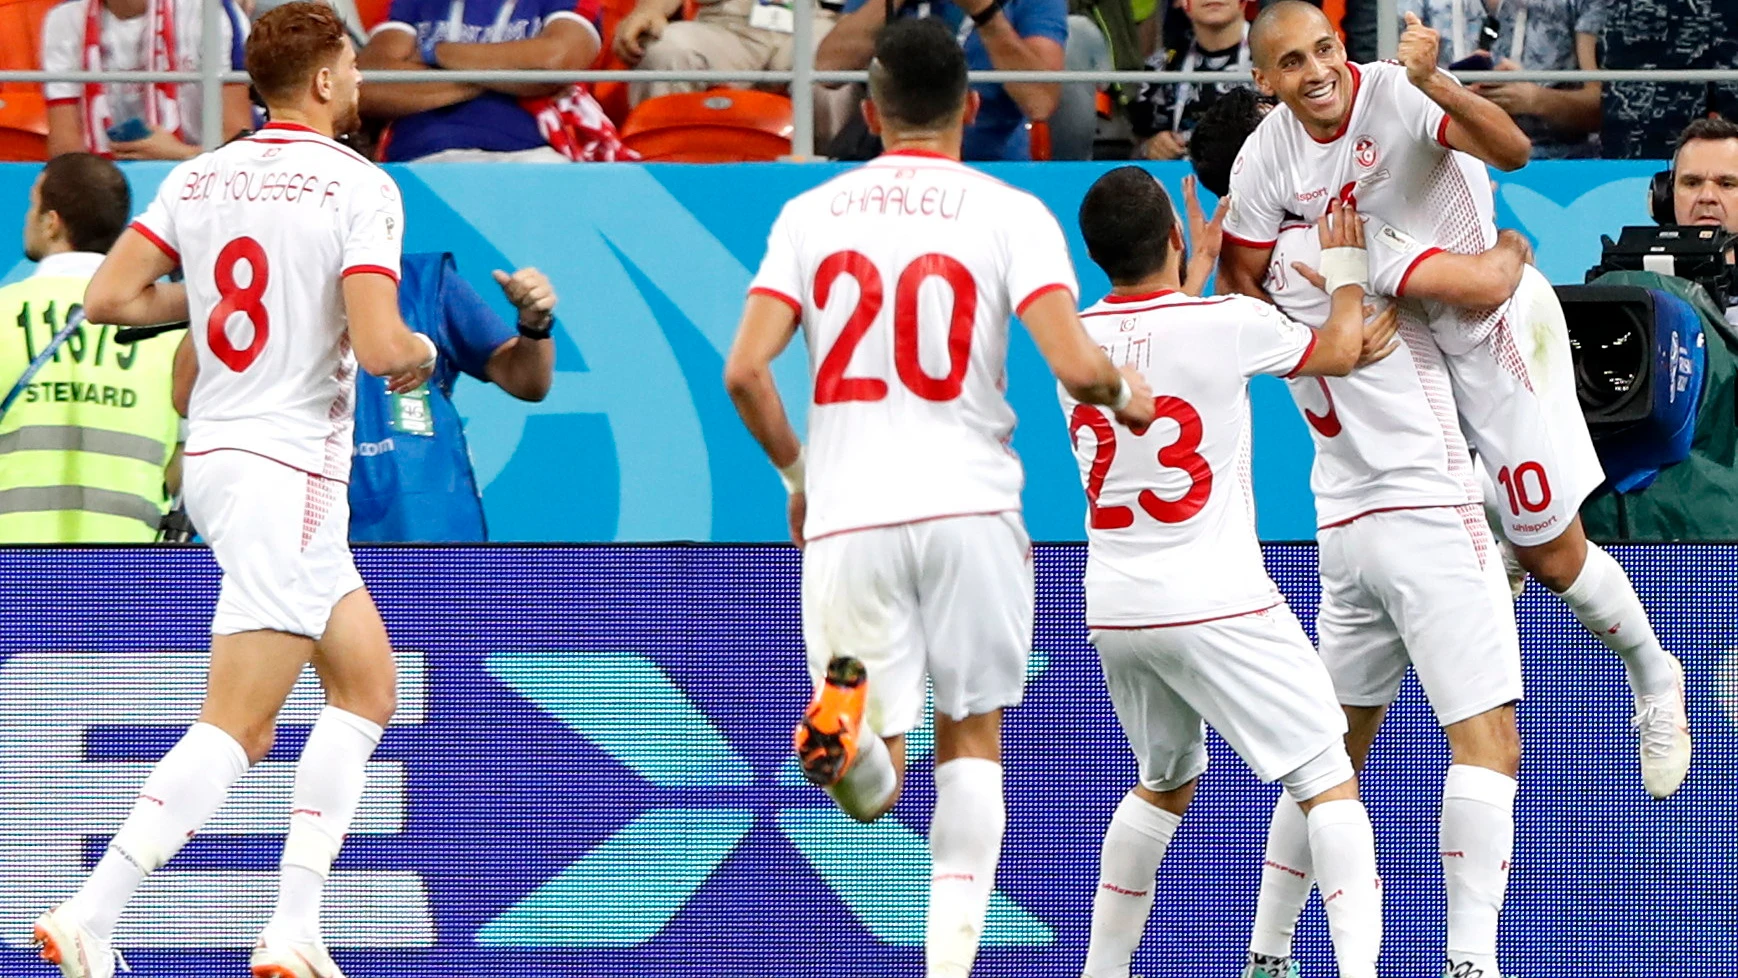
1206 238
530 292
1138 413
1381 334
1418 48
798 509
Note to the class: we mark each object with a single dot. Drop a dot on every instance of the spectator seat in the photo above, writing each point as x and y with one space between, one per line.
23 114
719 126
613 96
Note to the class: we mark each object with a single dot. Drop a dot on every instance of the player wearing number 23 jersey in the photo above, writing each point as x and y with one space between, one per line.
1188 626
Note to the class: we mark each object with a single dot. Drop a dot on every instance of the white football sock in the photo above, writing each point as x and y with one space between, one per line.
870 780
965 842
1478 840
1603 599
1343 847
1287 874
1128 864
329 780
181 794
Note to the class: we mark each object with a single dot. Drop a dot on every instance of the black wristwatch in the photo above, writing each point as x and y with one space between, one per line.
537 333
983 17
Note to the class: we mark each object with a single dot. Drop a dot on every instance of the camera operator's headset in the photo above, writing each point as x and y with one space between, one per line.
1659 195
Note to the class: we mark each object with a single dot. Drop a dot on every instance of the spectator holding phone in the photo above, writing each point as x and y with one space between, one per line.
155 121
1561 119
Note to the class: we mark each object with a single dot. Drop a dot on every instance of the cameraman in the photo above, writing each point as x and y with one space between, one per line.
1705 180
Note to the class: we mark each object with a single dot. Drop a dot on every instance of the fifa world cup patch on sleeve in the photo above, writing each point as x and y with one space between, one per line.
1396 240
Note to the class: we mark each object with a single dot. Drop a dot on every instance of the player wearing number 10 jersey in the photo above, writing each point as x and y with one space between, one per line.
289 243
1188 626
916 568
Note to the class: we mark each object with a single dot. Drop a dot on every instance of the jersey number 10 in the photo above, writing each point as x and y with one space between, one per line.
232 299
831 384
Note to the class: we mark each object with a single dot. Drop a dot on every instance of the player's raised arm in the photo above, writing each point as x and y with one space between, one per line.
128 290
384 345
1475 124
1346 340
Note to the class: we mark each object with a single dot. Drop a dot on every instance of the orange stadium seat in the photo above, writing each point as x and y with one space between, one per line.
719 126
372 12
613 96
23 115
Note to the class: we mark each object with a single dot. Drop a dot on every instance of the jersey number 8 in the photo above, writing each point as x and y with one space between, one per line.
831 384
1181 454
243 299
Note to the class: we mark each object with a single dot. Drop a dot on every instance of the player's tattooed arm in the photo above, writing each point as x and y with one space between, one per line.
128 290
1479 281
1476 125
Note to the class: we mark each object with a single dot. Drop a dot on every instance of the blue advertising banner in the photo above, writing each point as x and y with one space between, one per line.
638 442
589 775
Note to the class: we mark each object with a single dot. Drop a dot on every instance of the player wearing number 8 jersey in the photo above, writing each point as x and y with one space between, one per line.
1188 626
903 275
289 243
1404 140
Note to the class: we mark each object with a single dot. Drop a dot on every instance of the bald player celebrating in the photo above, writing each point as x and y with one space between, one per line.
1404 143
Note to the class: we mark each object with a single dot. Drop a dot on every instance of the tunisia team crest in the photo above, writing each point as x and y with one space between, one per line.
1364 151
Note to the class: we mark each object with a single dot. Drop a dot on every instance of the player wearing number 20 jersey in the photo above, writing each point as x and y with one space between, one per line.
903 275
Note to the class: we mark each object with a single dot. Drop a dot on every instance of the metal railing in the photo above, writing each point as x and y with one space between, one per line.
801 77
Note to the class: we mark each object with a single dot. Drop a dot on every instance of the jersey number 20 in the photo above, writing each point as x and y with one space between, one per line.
831 384
244 299
1181 454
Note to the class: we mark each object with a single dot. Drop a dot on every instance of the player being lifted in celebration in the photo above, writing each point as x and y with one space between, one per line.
1187 623
903 274
284 238
1410 574
1404 142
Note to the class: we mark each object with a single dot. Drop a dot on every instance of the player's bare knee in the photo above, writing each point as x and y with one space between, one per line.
1558 563
1491 740
256 740
1174 800
979 735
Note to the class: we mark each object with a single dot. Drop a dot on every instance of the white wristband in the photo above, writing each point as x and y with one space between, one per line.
433 352
1345 266
1123 396
792 474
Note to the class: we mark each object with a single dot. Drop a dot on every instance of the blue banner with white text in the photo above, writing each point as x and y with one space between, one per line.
589 774
637 440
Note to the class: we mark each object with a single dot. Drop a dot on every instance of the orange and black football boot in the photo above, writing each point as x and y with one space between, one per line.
826 739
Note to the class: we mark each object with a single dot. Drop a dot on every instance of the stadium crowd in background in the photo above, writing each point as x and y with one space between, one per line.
158 121
1642 120
1162 115
454 121
725 35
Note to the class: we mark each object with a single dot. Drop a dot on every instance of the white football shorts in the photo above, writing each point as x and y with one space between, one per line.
1425 588
948 600
281 537
1516 394
1255 678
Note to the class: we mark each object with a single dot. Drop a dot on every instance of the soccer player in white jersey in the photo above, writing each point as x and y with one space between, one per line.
1187 623
289 243
903 275
1404 142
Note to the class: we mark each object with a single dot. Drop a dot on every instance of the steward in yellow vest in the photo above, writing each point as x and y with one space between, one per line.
86 438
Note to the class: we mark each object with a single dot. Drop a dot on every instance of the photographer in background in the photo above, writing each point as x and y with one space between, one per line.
87 426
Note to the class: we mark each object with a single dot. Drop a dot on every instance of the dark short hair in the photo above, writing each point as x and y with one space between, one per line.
91 197
1127 219
1714 127
288 45
1219 136
918 77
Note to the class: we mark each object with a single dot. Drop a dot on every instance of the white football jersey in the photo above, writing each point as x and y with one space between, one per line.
1386 435
905 272
1170 522
265 229
1390 160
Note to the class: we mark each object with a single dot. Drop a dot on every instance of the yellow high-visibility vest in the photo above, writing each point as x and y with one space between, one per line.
84 445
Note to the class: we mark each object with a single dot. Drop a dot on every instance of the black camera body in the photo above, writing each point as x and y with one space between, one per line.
1695 252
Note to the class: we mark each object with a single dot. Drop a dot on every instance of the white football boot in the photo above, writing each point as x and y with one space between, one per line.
1664 728
65 942
274 958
